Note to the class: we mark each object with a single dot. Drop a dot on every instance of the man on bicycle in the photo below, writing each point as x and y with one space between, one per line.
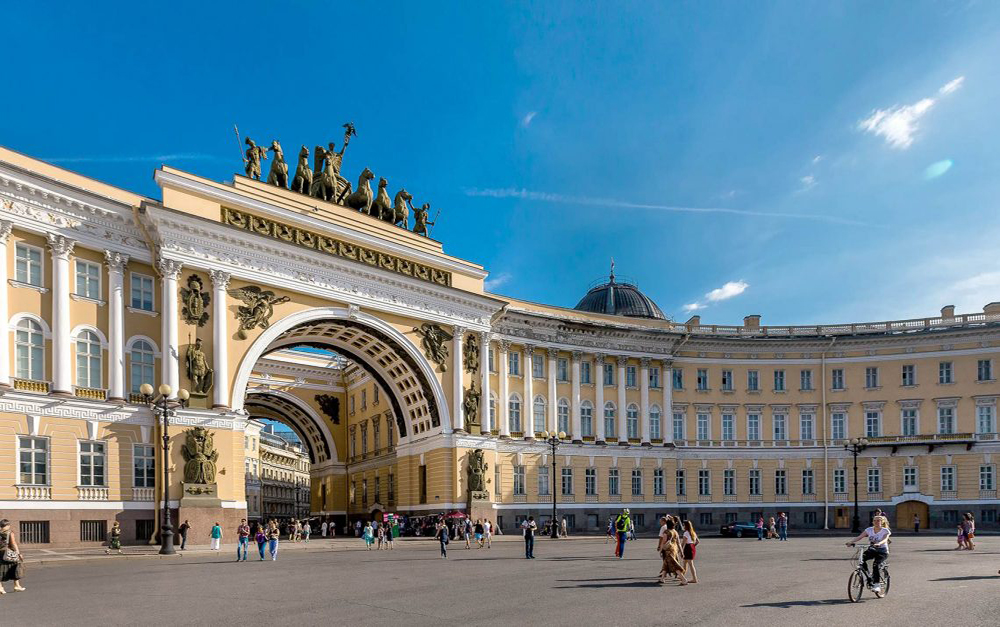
878 549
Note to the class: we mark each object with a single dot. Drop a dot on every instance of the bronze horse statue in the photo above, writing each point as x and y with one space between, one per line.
303 175
400 210
382 206
278 175
363 197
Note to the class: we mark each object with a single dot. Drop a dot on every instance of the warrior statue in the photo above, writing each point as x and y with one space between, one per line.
255 154
198 372
327 182
279 169
199 456
303 175
420 220
477 471
470 405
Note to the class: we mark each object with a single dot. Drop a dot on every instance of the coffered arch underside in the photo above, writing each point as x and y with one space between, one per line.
297 415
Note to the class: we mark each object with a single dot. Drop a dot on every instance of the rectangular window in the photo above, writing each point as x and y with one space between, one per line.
613 487
837 379
753 427
609 420
727 380
630 377
754 482
986 478
780 431
678 377
562 369
681 488
537 367
703 427
567 481
704 482
839 480
562 416
34 461
143 463
950 515
729 482
780 482
728 427
654 423
984 370
944 372
590 481
871 377
988 516
88 279
909 375
806 427
92 463
514 364
808 485
948 479
678 426
705 518
637 482
543 481
658 482
364 439
909 419
946 420
519 480
731 517
805 380
364 399
873 424
874 480
985 419
809 518
654 377
779 380
910 478
492 358
33 532
609 374
142 292
586 421
838 425
28 264
702 379
753 381
364 492
585 372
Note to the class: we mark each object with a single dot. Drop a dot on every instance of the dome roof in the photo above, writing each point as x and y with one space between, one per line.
619 299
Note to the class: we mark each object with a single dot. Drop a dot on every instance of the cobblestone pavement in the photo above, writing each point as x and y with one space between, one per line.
572 582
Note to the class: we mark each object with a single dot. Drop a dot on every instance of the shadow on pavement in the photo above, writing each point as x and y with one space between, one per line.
826 559
788 604
967 578
639 583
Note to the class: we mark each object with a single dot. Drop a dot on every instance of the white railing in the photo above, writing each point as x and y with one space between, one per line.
808 498
615 498
755 498
840 497
874 496
142 494
34 493
520 498
704 498
987 494
92 493
780 498
858 328
591 498
728 498
659 498
638 498
949 494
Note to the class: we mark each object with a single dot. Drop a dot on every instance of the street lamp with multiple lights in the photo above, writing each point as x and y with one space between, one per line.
855 446
165 407
553 439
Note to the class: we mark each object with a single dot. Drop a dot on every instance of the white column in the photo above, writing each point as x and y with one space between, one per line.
170 270
620 427
667 417
575 401
220 339
553 413
599 399
484 371
529 394
116 263
458 390
62 351
503 409
5 357
644 400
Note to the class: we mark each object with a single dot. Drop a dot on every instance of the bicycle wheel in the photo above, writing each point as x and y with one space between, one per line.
855 586
885 581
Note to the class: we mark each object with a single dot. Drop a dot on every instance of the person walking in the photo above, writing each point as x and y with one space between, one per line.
369 535
444 537
669 549
322 529
306 532
690 541
115 542
529 527
357 529
242 540
467 530
772 529
916 523
622 524
488 533
298 531
11 562
379 536
261 539
969 529
565 531
782 527
610 531
273 537
760 528
388 537
216 537
184 534
479 533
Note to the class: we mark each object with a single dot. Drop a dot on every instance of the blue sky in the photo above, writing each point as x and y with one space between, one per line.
808 161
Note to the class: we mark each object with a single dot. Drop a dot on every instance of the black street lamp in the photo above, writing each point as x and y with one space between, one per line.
856 446
165 407
553 439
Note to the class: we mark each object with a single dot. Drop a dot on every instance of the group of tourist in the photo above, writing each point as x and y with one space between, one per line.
378 533
966 533
773 529
677 547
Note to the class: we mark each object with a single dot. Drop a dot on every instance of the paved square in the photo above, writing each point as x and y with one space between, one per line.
572 582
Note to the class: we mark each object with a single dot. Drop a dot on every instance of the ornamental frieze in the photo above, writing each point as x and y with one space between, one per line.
331 246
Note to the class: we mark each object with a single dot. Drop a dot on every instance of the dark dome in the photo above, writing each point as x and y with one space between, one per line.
619 299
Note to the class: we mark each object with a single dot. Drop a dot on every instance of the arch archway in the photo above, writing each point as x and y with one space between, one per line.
300 417
390 357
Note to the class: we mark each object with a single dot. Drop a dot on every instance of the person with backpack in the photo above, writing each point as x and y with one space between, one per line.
622 525
444 538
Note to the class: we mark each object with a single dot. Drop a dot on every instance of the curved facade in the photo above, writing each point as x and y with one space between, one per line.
711 422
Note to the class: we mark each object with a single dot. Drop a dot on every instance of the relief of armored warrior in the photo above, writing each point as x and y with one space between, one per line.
255 154
477 471
198 372
199 456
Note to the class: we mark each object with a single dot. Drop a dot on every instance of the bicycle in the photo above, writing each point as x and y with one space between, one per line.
860 579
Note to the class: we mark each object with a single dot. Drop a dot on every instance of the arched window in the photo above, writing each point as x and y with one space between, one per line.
632 421
609 420
514 410
654 422
586 419
88 360
538 413
29 348
141 362
493 413
562 414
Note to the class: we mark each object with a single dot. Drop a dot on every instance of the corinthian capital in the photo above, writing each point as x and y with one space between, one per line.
116 261
6 226
220 279
622 360
168 268
60 245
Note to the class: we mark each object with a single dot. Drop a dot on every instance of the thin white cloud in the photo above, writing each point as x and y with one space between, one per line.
727 291
693 307
133 158
898 124
808 182
526 120
817 159
495 282
524 194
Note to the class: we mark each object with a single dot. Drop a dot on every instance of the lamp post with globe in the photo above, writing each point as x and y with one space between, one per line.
554 439
855 446
164 407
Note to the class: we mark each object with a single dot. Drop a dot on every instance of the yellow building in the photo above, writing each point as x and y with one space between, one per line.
372 344
284 479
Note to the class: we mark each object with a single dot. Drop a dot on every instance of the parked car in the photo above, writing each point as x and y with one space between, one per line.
739 529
